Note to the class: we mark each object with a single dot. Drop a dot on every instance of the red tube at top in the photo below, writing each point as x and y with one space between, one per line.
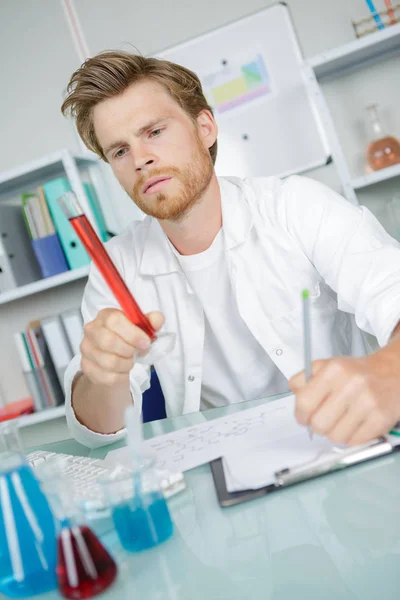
117 285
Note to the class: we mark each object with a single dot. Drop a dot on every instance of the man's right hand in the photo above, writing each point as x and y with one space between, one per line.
110 344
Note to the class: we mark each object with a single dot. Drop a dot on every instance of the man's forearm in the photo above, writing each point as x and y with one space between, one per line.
99 407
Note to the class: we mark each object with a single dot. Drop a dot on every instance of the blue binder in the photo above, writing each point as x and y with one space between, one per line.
75 253
49 255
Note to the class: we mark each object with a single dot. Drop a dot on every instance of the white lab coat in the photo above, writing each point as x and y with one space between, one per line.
280 237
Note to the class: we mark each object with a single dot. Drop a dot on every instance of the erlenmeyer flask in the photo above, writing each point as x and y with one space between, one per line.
383 150
84 567
27 529
162 343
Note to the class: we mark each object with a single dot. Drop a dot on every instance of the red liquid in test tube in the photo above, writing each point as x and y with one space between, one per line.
103 262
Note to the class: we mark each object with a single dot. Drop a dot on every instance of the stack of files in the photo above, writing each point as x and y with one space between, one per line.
74 251
63 340
39 375
73 326
17 263
40 224
45 349
45 242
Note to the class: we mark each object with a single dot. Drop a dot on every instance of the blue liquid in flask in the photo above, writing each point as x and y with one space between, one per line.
28 547
143 523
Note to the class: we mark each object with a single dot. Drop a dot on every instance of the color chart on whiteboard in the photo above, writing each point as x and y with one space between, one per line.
236 85
252 74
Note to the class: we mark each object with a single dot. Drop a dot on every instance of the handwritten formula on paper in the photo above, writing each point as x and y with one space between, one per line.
190 447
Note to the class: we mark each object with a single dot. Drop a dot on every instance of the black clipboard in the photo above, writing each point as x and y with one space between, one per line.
287 477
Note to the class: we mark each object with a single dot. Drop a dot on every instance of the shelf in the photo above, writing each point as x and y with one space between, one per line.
358 53
42 416
376 177
43 284
44 168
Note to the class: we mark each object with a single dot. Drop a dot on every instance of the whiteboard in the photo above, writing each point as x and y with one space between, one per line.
251 72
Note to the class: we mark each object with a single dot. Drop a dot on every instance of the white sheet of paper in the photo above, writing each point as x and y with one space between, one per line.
256 467
190 447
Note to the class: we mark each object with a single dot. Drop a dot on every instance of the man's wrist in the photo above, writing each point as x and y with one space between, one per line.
75 380
391 352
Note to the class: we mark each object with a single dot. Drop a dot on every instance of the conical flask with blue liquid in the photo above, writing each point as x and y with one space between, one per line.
28 545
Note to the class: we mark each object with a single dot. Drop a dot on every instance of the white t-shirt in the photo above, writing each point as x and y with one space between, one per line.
235 366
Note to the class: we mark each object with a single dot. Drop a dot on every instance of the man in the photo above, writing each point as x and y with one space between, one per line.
224 262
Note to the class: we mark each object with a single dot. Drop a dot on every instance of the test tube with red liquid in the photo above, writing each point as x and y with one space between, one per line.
161 343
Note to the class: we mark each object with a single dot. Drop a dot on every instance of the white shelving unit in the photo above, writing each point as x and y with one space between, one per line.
376 177
50 166
334 63
43 284
369 49
56 164
41 417
26 177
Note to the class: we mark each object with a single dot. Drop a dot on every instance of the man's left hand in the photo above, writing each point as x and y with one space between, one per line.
351 400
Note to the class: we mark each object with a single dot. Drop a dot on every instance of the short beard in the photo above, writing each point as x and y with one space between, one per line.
195 178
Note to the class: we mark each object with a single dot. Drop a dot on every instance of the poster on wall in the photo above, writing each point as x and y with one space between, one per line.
237 82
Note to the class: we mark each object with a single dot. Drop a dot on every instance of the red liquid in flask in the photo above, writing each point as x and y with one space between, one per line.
117 285
84 568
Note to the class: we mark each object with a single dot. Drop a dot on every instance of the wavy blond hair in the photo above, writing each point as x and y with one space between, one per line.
109 73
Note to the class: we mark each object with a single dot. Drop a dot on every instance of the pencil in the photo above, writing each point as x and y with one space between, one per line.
390 12
307 342
374 13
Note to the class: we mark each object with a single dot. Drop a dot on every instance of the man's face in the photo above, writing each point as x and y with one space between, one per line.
159 156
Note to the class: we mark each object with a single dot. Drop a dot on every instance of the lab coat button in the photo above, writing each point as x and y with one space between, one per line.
190 378
279 351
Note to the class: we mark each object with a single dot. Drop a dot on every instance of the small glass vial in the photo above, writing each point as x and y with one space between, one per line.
138 507
383 150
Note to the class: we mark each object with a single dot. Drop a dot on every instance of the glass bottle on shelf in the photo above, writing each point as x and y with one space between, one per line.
383 150
28 549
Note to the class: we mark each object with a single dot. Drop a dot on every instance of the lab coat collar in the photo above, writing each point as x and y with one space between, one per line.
237 219
158 258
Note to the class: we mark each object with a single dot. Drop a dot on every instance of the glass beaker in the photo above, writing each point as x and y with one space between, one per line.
162 343
84 566
138 507
28 548
383 150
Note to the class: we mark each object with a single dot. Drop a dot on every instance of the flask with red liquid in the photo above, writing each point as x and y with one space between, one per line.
162 343
383 150
84 567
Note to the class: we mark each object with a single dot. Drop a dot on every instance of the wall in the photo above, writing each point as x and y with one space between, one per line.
38 57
